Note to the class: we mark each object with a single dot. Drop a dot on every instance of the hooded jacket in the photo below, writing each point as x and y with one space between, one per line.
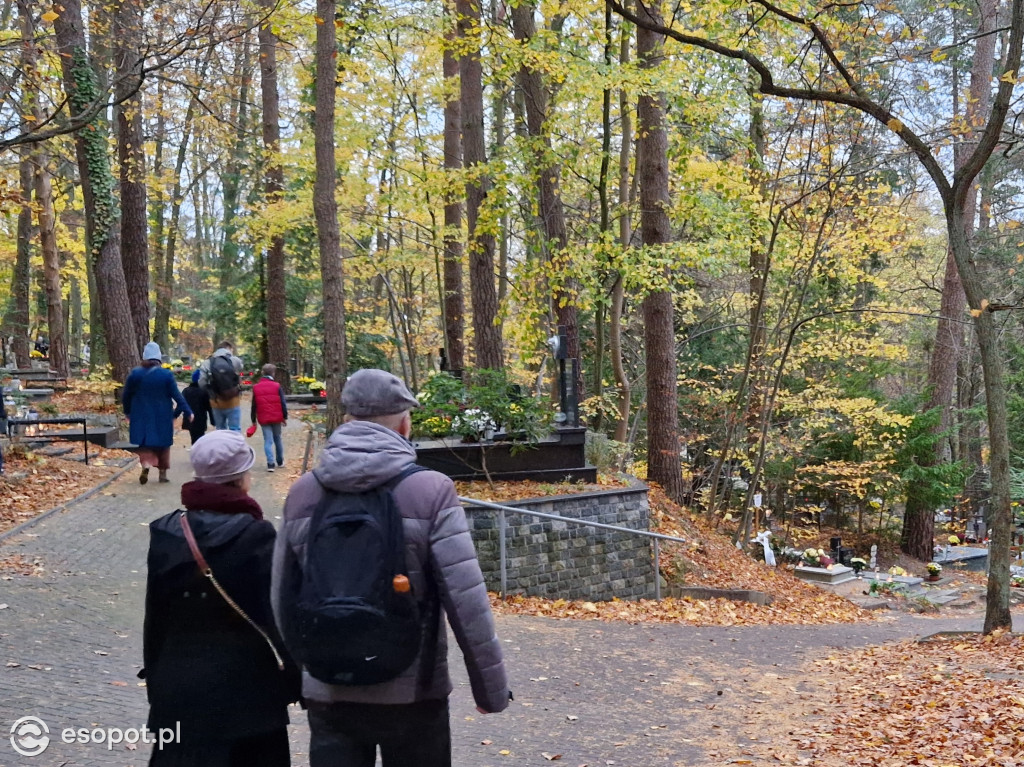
440 557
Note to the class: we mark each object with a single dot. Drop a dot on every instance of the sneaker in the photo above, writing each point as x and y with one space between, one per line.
144 476
163 476
280 464
270 468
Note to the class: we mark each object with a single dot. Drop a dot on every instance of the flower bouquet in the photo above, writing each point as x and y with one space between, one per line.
816 558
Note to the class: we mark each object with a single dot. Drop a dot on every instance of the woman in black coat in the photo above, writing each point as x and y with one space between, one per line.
206 667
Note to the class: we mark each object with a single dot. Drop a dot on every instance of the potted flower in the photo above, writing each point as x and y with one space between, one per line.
858 564
933 568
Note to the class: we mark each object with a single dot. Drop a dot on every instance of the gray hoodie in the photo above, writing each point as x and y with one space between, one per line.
361 455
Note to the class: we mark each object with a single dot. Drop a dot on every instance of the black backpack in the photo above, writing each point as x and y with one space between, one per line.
223 380
356 620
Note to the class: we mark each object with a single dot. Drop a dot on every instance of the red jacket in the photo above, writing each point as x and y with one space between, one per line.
268 405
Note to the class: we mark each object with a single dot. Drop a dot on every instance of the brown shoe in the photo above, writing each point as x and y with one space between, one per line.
144 476
163 476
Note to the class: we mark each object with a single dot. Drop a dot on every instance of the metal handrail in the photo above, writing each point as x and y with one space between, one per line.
657 537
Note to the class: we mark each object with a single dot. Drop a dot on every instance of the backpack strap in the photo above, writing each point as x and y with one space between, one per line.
428 649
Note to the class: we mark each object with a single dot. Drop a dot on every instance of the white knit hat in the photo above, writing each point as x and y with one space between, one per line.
152 351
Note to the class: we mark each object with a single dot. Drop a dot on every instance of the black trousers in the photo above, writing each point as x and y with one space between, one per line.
270 750
409 735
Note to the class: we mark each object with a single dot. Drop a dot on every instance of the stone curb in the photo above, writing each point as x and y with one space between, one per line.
84 496
734 595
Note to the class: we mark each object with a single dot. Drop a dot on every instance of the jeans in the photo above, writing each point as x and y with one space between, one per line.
272 439
229 418
347 734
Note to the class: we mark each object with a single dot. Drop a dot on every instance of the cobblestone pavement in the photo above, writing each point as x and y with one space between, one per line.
594 693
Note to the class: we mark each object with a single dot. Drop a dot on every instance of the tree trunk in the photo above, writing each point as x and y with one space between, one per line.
663 461
454 299
548 174
56 328
325 208
918 532
625 241
231 181
75 316
20 318
488 345
758 269
103 237
132 159
277 297
51 267
605 205
156 197
997 613
165 287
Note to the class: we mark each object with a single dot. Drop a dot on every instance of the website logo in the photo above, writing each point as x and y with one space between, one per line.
30 736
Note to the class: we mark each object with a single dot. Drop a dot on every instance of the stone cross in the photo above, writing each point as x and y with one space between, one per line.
874 554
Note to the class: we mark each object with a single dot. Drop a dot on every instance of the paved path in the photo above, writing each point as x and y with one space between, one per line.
595 693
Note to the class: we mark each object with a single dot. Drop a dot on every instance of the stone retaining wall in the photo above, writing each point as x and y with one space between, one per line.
557 559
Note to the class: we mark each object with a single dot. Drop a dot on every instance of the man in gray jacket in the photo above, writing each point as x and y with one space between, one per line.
406 716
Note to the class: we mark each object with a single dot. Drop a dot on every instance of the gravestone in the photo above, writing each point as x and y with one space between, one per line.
827 576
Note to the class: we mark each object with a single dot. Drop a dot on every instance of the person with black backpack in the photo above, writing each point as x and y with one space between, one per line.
373 553
219 376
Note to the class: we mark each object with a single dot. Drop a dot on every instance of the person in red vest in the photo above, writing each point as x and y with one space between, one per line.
270 411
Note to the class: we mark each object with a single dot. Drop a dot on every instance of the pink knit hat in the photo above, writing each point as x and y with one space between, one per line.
221 457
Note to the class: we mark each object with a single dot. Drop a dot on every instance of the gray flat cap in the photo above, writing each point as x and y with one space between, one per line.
371 392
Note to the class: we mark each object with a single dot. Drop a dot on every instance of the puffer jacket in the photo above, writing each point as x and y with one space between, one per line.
361 455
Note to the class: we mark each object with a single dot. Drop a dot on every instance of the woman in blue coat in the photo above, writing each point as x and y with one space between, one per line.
149 395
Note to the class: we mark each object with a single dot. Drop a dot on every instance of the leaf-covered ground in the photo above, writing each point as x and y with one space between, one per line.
33 484
947 702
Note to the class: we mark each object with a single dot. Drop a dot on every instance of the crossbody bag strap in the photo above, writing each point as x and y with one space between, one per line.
205 569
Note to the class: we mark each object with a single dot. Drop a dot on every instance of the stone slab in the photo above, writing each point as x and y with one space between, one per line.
908 580
942 597
36 393
828 576
970 557
871 603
